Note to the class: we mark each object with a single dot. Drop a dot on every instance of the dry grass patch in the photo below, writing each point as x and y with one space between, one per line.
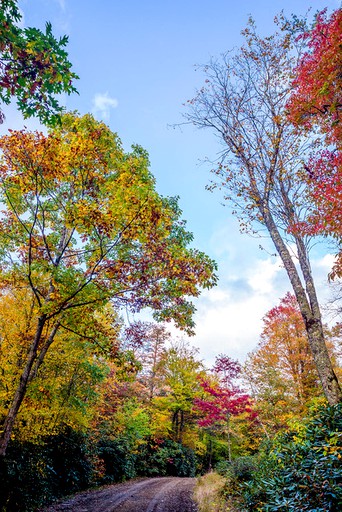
208 493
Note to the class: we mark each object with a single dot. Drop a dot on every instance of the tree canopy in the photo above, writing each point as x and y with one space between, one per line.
82 225
315 104
34 66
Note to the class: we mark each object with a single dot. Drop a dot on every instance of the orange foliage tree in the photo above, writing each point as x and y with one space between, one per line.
281 372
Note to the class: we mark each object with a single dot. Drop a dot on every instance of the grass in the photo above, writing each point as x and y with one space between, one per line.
208 494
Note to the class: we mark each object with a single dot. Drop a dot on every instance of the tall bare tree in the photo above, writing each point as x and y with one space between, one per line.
261 170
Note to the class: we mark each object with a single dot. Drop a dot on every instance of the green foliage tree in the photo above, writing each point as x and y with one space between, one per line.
34 66
181 370
83 225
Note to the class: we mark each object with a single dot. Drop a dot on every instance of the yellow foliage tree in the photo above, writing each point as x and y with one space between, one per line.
82 225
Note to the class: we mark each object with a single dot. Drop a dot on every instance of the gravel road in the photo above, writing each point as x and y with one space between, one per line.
167 494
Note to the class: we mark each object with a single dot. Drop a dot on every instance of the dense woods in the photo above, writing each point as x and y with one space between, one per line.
87 398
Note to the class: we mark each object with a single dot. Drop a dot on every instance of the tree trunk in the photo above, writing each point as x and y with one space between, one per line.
229 439
309 308
43 351
210 452
21 389
175 425
181 427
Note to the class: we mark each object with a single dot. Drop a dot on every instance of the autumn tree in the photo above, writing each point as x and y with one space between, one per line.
244 102
148 341
34 66
180 371
63 391
315 104
280 371
82 225
223 398
316 96
166 381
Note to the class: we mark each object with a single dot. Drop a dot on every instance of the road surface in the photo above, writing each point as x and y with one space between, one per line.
165 494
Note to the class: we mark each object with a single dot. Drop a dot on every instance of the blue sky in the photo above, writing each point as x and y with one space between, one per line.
137 66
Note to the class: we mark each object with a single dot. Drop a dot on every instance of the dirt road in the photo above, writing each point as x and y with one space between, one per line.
167 494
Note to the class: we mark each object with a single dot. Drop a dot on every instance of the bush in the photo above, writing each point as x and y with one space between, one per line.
71 462
166 458
118 460
33 475
241 468
24 476
235 472
301 470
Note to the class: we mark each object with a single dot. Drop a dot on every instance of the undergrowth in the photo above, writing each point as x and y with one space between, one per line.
209 493
298 471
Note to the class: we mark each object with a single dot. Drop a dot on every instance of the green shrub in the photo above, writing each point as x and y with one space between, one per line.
33 475
118 460
301 469
24 477
241 468
166 458
71 461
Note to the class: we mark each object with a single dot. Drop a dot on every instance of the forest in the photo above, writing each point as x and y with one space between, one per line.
86 241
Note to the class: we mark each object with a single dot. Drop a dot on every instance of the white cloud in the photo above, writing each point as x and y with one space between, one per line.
326 262
230 327
229 317
261 277
102 105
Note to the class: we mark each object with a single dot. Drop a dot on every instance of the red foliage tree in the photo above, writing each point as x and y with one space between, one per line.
222 397
316 103
316 98
221 402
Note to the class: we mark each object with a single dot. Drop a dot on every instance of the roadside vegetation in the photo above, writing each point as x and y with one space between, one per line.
208 493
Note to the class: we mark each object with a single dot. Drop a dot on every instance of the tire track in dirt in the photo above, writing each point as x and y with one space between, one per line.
175 496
